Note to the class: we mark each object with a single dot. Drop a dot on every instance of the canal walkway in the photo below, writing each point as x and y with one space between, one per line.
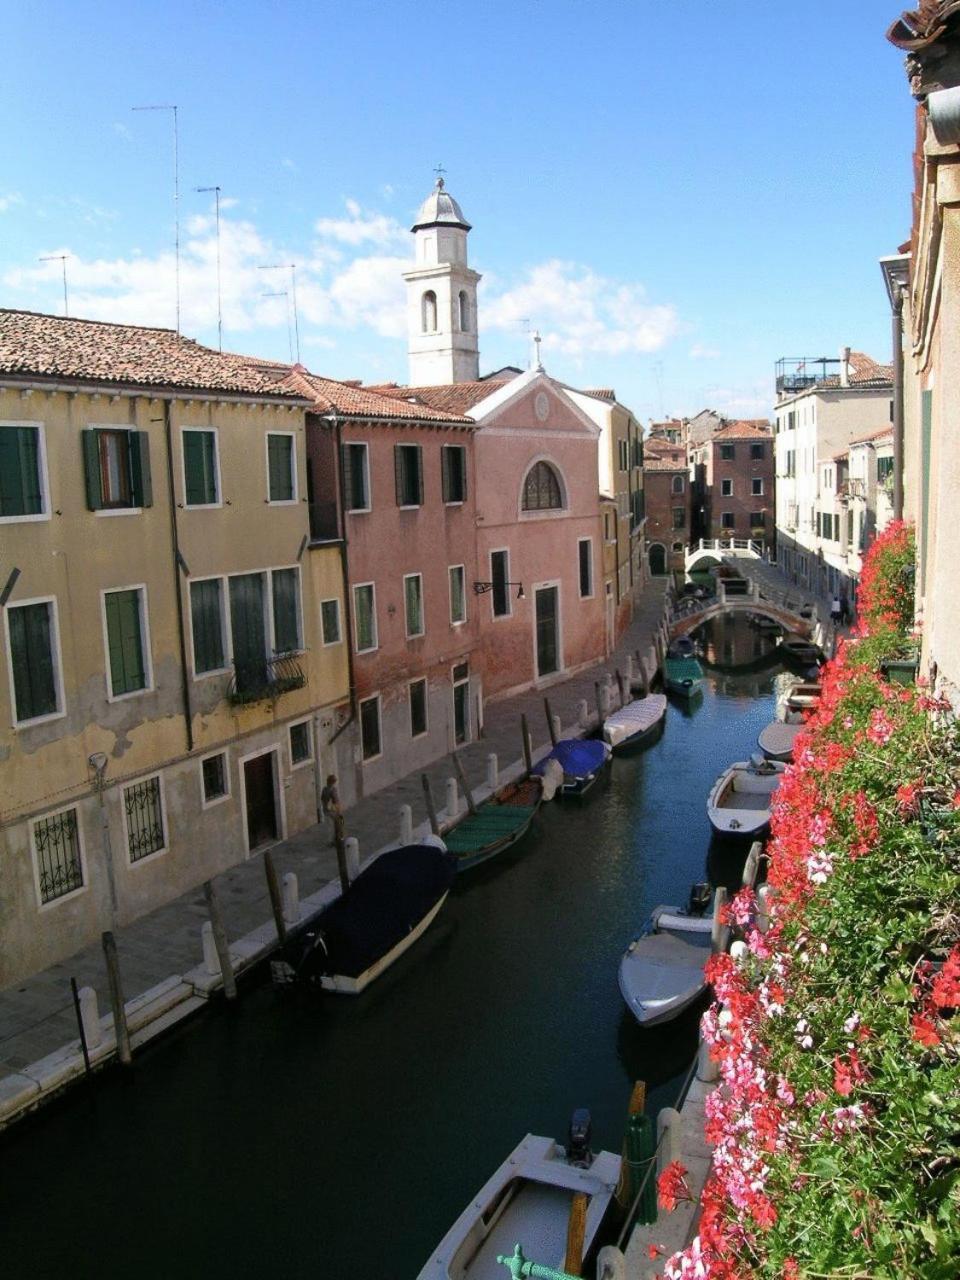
160 954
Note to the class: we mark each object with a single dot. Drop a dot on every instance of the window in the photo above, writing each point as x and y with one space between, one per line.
884 469
756 487
58 853
836 526
301 744
117 469
330 621
214 779
370 727
623 449
417 690
458 594
585 565
281 467
143 818
286 610
408 470
453 462
728 452
365 617
248 629
676 484
728 520
22 472
464 311
460 680
413 604
127 649
756 452
541 489
677 546
679 517
207 618
33 651
757 519
428 312
726 488
201 469
356 477
499 574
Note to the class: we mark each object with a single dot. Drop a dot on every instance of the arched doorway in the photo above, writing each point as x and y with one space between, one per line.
658 559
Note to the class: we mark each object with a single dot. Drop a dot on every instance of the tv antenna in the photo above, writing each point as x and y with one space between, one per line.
292 268
62 259
216 191
176 196
284 293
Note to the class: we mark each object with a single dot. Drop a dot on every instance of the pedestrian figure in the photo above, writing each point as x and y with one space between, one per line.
844 609
835 611
330 804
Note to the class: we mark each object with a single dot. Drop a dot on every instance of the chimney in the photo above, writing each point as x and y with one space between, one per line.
844 366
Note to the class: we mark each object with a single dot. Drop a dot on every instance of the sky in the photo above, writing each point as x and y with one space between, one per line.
675 193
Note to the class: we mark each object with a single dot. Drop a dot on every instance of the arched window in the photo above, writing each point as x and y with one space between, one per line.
541 489
429 312
464 312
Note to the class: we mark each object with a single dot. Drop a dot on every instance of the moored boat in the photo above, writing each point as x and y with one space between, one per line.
636 724
528 1200
497 824
740 799
776 740
682 647
582 761
683 677
353 939
661 971
795 648
803 697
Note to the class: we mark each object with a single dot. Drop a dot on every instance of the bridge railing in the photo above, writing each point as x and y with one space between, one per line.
749 547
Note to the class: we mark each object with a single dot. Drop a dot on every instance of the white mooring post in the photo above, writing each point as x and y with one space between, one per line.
290 895
764 897
669 1137
453 800
628 669
557 727
707 1070
211 961
90 1016
611 1264
351 847
406 824
739 951
583 714
493 771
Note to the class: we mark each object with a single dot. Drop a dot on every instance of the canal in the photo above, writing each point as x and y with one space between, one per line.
332 1137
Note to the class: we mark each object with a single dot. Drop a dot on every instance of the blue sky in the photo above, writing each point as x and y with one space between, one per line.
676 193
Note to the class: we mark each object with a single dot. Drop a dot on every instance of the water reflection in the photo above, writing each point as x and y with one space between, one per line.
730 641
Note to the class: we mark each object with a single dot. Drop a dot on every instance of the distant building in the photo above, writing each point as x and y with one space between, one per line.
667 488
733 475
703 425
674 430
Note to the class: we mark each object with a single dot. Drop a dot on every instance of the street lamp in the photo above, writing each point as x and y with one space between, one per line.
480 588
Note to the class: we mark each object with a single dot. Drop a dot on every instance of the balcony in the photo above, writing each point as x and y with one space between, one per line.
799 373
852 489
324 525
265 681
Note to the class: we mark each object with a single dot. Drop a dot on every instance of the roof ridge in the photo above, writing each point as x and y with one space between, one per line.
114 324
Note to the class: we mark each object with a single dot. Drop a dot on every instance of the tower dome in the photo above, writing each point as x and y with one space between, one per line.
440 209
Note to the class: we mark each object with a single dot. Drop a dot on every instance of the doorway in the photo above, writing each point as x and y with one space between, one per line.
658 559
461 704
548 628
260 798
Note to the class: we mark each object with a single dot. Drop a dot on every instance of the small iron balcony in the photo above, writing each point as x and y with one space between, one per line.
266 680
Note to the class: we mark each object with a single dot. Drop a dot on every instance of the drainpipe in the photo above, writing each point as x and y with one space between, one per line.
345 572
897 306
179 564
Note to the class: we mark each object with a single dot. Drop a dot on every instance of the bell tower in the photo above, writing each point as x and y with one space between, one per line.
442 296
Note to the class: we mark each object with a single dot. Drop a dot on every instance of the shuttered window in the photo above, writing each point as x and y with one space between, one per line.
206 612
585 548
286 610
413 604
458 601
408 467
117 469
454 472
370 728
125 641
418 707
365 618
21 489
33 660
282 487
200 469
356 479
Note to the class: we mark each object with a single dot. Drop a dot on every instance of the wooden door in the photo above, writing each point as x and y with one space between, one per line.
261 800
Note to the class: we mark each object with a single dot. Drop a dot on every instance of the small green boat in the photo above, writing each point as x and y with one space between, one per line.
495 826
683 677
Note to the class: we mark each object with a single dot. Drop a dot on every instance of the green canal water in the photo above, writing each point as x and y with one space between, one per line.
332 1137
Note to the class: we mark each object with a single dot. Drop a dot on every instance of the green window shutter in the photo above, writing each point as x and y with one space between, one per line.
125 642
91 467
31 652
286 628
200 467
398 472
140 482
418 458
280 460
20 491
446 470
363 609
461 456
926 441
346 467
206 611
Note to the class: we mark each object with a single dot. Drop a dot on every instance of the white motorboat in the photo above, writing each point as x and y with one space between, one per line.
636 724
661 971
776 740
528 1201
739 802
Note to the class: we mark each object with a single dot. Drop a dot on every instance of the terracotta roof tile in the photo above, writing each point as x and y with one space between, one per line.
351 400
663 464
453 398
742 431
874 435
919 27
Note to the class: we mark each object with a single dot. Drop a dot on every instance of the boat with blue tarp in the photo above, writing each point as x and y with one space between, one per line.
582 761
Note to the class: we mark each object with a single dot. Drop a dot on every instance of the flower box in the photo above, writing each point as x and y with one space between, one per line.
900 670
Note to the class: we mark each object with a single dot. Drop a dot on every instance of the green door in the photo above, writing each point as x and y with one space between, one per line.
548 648
248 631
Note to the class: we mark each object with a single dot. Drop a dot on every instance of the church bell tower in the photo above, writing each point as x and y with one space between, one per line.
442 296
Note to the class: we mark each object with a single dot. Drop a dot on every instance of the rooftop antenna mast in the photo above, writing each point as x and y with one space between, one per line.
292 268
176 194
525 322
284 293
216 191
62 259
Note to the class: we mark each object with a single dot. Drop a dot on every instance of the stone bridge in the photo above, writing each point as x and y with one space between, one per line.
716 549
688 614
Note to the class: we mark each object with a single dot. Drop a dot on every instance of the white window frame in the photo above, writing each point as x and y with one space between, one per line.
325 643
201 506
552 676
754 491
224 627
414 737
418 454
308 759
117 428
359 511
44 513
592 592
359 586
279 794
371 697
157 853
414 635
57 656
726 487
271 627
204 802
500 617
454 502
141 587
733 520
451 569
74 893
282 502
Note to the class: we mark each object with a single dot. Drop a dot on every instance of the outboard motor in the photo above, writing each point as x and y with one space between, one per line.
578 1140
700 896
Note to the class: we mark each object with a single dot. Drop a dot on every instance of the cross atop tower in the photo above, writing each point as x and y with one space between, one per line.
439 170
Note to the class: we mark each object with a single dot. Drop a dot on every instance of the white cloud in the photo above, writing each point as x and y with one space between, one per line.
754 400
122 131
580 312
700 352
360 227
371 292
9 200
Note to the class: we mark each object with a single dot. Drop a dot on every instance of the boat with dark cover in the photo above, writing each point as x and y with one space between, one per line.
582 761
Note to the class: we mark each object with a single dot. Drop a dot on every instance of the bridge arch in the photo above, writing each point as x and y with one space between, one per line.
688 619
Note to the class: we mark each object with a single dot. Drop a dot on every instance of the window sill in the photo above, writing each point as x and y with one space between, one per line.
133 693
63 897
283 502
148 857
29 519
212 804
118 511
19 725
202 506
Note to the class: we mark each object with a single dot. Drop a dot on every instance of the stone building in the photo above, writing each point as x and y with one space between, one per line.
668 491
733 493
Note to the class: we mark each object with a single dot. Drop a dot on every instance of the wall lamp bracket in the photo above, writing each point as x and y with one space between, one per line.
481 588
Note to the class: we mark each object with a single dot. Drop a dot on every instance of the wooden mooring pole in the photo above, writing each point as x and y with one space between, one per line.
276 898
339 839
550 725
116 998
428 801
220 941
527 749
458 765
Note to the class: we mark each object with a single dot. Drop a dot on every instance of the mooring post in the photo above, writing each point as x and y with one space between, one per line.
550 727
339 839
89 1016
752 864
116 998
351 850
707 1070
598 690
453 801
620 686
583 713
669 1137
276 898
527 748
406 824
291 898
720 935
493 771
428 801
220 941
458 765
80 1027
611 1264
764 900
